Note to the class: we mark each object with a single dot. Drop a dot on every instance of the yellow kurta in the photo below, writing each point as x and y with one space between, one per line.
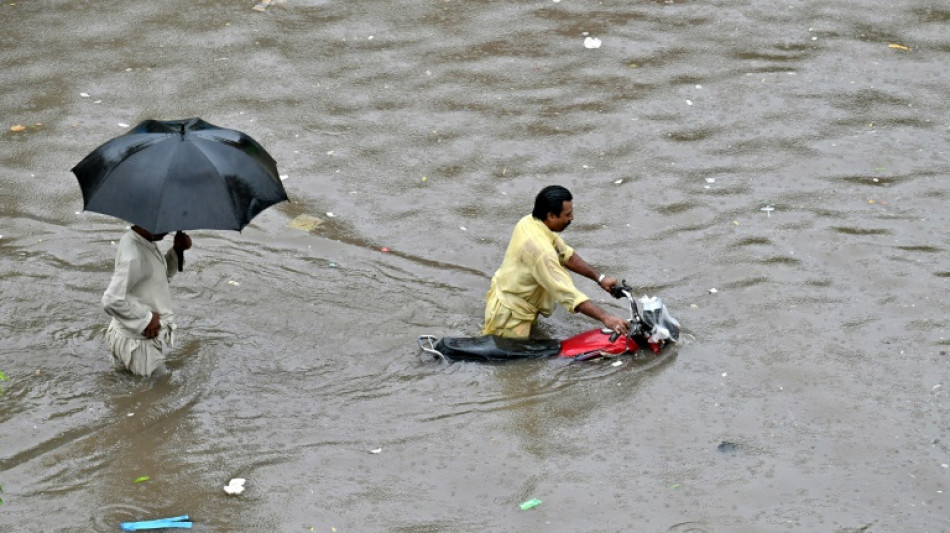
531 279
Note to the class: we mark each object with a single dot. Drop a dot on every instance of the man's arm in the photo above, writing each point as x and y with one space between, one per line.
611 322
553 277
576 264
132 314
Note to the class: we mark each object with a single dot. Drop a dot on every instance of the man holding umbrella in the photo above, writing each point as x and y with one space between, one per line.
165 176
139 301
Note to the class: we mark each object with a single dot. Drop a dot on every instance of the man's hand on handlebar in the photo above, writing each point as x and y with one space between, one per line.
607 284
616 290
616 324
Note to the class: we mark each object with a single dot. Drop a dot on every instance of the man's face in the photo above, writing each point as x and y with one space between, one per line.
558 223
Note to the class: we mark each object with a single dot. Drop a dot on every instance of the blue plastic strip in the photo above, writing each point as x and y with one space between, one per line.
173 522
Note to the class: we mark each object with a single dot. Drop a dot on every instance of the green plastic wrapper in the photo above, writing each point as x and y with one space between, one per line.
529 504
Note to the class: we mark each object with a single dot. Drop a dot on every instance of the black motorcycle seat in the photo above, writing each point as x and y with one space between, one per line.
494 348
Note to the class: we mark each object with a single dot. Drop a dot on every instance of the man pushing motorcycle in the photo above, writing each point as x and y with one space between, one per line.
533 276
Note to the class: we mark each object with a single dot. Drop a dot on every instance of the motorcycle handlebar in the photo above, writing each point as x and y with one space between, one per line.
617 291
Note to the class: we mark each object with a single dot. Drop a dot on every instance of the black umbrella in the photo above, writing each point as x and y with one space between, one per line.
180 175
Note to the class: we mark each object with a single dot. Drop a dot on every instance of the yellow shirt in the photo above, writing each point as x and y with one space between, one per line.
532 277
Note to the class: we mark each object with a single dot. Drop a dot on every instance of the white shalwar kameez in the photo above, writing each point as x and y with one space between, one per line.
138 288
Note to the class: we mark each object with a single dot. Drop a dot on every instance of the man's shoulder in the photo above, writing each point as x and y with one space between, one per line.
129 239
531 225
534 229
131 244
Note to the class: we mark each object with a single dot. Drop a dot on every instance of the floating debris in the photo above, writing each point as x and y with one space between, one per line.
533 502
376 450
305 222
591 42
768 210
235 486
899 47
727 447
264 4
713 291
180 522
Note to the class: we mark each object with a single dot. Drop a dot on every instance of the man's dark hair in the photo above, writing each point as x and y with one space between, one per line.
550 200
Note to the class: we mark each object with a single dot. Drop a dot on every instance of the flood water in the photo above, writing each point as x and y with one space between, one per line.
809 392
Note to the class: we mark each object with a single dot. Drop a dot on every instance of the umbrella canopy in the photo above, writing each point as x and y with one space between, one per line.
180 175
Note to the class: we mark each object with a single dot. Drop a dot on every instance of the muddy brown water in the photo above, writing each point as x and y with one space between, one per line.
809 392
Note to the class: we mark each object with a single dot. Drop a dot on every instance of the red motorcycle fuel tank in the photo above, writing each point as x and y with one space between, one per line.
595 340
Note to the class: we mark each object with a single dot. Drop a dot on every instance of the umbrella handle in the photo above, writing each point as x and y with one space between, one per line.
181 259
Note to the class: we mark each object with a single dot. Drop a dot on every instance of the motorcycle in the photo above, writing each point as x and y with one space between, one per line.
650 327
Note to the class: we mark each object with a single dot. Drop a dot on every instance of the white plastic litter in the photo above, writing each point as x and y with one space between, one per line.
591 42
235 486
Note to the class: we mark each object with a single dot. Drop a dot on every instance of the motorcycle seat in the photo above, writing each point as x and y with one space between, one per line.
494 348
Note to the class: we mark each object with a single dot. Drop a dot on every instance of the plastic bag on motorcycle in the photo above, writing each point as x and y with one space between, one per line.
657 324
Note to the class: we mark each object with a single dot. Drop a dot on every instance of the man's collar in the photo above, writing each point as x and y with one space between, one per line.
141 238
544 228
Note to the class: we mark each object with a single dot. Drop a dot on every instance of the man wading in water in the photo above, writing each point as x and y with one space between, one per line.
533 275
139 302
